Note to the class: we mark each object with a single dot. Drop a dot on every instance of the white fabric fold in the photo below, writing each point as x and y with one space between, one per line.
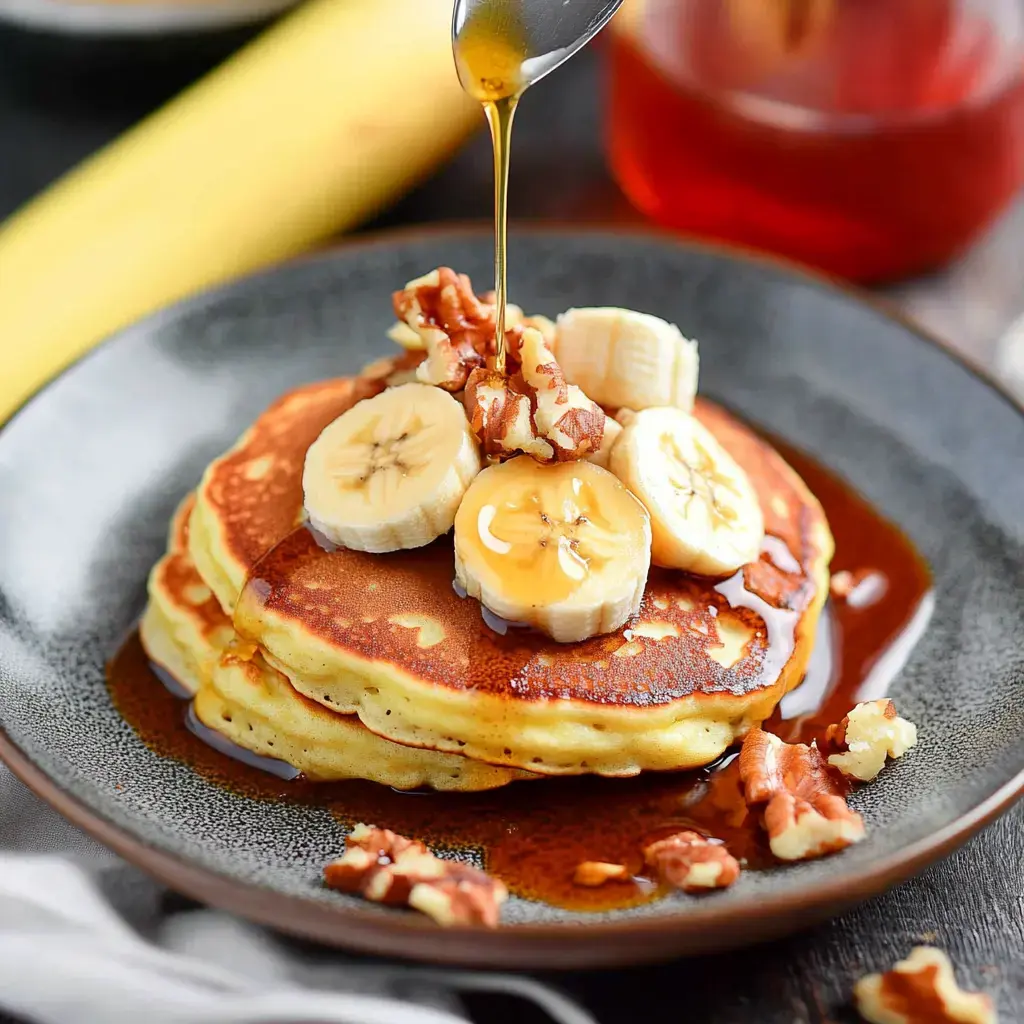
85 939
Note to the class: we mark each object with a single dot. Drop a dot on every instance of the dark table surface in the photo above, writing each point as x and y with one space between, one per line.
59 101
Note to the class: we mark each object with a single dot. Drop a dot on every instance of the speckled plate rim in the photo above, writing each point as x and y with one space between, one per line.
702 929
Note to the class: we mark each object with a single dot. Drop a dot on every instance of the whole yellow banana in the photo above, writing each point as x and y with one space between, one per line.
308 130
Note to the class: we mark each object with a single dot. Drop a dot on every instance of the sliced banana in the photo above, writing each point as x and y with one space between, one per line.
705 515
565 548
390 473
547 327
623 359
402 334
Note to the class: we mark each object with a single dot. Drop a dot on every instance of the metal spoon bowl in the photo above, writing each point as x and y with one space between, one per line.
543 33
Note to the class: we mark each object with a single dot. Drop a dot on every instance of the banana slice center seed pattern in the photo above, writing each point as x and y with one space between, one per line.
382 454
696 478
553 539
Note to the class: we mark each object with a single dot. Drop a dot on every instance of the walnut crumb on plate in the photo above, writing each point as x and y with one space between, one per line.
859 745
592 873
388 868
692 862
921 990
805 810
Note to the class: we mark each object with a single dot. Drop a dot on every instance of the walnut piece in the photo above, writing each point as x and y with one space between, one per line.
531 409
389 868
612 429
440 313
535 411
920 990
693 863
859 745
501 416
593 873
564 415
806 814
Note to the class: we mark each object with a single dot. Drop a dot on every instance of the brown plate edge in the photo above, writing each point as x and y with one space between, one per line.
704 929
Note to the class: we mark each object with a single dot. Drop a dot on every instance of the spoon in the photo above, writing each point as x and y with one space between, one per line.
538 36
501 48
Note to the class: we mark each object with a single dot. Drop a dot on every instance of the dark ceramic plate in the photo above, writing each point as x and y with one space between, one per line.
91 469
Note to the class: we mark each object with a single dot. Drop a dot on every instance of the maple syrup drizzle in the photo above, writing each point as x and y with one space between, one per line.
533 834
489 54
500 115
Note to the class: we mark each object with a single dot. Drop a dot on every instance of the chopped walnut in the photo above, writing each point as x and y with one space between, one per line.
513 313
389 868
693 863
564 415
859 745
611 434
593 873
454 326
806 814
502 417
921 990
531 409
535 411
412 339
402 334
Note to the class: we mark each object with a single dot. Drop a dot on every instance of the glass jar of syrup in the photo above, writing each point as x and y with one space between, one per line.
870 138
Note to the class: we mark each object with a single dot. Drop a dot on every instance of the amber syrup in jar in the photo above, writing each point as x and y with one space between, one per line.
870 138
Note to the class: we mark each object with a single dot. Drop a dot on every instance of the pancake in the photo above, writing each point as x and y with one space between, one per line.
256 707
183 628
386 637
246 501
185 631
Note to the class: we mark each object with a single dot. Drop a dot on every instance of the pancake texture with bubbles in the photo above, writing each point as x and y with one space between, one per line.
387 638
185 631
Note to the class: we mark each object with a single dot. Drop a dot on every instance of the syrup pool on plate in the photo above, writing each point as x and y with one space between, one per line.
533 834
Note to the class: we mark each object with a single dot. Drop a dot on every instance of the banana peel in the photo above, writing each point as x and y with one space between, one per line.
304 133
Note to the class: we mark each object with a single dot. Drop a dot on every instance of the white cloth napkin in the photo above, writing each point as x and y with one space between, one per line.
87 939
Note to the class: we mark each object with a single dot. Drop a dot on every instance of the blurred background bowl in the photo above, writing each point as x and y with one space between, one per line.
136 17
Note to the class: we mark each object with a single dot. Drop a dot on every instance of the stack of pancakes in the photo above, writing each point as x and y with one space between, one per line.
353 665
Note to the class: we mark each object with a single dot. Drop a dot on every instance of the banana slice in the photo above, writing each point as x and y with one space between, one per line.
547 327
705 515
390 473
623 359
402 334
564 548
